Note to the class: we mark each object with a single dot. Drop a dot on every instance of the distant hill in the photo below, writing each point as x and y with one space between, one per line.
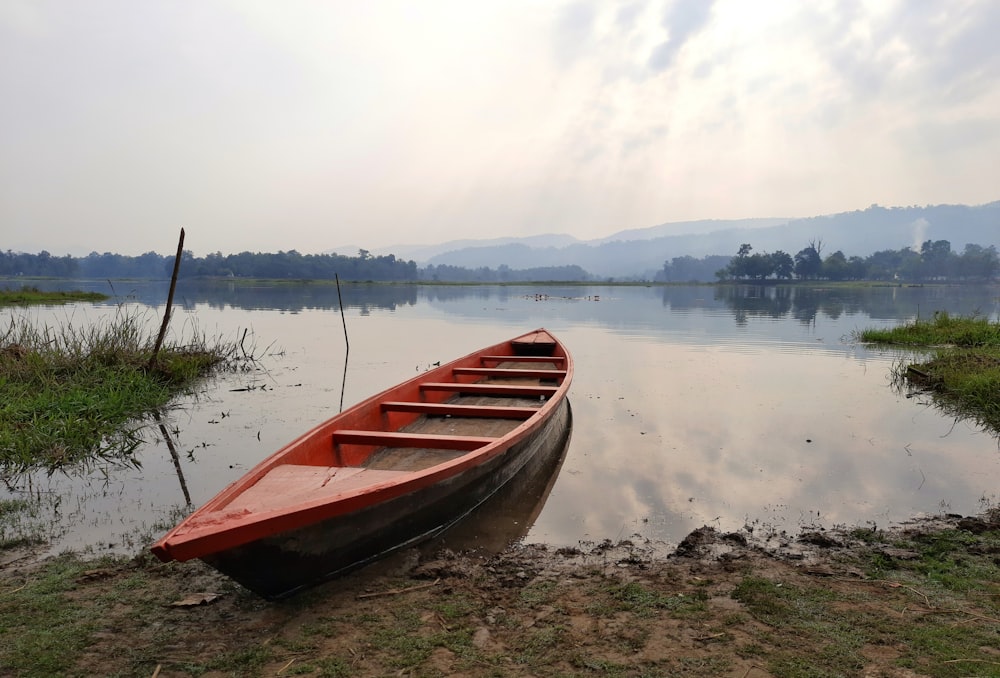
424 253
686 227
642 252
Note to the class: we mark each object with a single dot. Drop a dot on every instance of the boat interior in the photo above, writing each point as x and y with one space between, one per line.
472 415
419 425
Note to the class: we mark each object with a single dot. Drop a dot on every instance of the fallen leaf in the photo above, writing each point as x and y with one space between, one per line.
195 599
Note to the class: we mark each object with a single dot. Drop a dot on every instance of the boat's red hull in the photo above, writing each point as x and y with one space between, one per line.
321 505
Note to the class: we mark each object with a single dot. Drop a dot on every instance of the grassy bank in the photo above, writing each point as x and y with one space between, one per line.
922 601
32 295
69 395
962 364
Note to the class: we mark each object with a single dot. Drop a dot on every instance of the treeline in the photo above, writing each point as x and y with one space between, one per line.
278 265
38 265
934 262
292 264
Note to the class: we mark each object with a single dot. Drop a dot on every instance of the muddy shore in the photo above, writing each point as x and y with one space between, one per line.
921 599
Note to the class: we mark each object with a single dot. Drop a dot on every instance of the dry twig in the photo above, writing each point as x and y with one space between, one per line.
976 661
711 636
396 592
6 593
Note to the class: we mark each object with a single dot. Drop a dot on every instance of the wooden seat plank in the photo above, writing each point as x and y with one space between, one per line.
536 338
510 372
449 409
490 389
555 359
402 439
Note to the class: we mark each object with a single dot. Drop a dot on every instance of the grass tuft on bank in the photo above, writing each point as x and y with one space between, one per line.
71 394
29 294
942 330
962 365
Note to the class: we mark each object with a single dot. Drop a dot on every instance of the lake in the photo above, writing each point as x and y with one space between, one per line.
730 406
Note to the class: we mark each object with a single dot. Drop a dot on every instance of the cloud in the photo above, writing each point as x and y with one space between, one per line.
683 21
573 32
953 45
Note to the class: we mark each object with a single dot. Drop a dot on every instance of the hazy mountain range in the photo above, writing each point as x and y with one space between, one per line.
641 252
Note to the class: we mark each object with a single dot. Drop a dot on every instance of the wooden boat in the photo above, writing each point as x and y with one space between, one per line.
393 470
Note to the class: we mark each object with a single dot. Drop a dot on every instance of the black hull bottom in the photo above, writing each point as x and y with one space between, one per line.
280 566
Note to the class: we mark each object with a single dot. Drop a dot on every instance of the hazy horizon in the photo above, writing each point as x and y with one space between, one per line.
265 126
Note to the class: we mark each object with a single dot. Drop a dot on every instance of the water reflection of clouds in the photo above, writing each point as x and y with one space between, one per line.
713 436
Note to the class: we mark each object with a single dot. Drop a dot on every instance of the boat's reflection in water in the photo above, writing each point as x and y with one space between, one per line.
506 517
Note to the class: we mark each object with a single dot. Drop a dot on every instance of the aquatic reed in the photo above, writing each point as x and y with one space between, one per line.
70 393
961 371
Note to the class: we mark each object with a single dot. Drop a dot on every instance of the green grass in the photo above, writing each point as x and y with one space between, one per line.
947 604
406 642
70 616
955 562
69 395
32 295
645 602
40 633
961 370
964 382
941 330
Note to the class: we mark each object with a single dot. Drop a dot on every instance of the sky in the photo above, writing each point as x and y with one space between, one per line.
265 126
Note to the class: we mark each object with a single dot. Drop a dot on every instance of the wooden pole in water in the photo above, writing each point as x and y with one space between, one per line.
173 454
347 352
170 302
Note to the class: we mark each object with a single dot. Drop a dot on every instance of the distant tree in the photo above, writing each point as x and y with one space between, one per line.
835 266
857 269
887 264
978 263
760 266
679 269
911 267
740 265
809 262
756 266
935 257
783 265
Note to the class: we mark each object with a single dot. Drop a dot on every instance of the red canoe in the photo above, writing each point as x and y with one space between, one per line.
394 469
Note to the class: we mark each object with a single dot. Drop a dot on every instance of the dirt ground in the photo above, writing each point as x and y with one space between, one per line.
602 609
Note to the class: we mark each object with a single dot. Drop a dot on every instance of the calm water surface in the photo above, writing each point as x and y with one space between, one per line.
727 406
